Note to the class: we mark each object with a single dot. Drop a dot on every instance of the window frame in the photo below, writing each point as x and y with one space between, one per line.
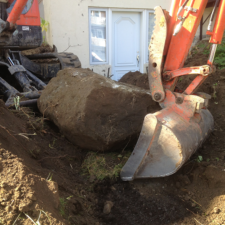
107 36
147 22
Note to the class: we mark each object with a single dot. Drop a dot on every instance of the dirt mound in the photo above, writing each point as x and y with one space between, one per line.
22 191
137 79
94 112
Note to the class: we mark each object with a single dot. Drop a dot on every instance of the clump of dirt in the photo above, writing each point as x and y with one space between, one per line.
21 191
44 48
137 79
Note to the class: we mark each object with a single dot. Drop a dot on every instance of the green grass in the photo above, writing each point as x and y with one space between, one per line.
219 59
62 206
96 165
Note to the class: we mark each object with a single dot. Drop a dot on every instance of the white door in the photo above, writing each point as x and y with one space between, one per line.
125 43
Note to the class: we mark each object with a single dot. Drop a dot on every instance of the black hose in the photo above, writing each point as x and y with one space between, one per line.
213 14
185 3
4 64
24 103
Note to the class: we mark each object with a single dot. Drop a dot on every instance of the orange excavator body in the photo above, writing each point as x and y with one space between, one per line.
31 18
169 137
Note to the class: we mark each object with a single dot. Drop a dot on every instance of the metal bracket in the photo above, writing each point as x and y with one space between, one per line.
16 68
190 9
190 104
204 70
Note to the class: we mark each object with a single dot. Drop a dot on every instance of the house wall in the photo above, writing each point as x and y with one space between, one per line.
69 23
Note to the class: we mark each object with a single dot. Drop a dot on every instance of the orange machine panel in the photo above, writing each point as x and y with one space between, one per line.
32 18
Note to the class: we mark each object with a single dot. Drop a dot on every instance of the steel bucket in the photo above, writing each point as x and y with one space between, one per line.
167 140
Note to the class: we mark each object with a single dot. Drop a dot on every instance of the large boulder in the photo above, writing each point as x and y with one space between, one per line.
94 112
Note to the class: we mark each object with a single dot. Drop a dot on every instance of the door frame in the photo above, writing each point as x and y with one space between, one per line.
143 33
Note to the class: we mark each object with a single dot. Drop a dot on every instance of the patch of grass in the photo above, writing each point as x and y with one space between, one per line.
53 144
50 175
194 52
206 52
201 45
214 90
62 206
199 159
33 222
96 165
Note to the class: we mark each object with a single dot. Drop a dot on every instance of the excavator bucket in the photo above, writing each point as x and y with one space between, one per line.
166 142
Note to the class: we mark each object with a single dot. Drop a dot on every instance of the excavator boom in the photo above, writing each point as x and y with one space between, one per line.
14 16
169 137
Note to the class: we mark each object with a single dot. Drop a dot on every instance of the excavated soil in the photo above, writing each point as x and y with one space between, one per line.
136 78
42 172
44 48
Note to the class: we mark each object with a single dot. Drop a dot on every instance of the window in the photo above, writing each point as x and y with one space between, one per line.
98 36
151 24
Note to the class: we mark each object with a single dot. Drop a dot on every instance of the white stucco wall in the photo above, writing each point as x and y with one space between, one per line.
69 23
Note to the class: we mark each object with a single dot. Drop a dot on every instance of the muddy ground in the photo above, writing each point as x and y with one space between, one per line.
41 172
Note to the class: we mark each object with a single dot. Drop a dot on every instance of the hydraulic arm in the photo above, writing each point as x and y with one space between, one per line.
169 137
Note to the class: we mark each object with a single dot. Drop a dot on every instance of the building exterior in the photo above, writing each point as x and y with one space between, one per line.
110 37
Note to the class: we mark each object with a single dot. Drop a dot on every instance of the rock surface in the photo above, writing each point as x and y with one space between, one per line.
94 112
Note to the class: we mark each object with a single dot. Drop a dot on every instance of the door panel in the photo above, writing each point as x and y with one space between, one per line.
125 43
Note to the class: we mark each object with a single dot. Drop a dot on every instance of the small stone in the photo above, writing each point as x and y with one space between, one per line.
107 207
97 223
8 208
17 194
193 204
113 188
3 184
216 210
25 206
31 196
15 208
187 198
